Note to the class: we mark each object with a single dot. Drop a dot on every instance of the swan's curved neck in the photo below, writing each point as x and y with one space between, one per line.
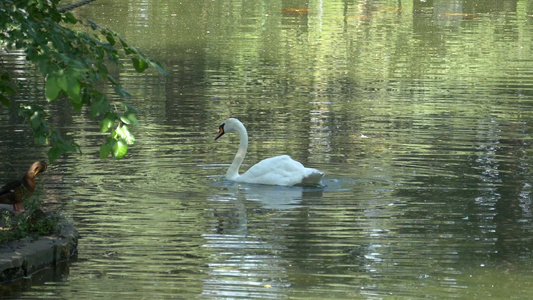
233 170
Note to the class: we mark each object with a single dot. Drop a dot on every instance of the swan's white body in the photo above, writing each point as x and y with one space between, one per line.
278 170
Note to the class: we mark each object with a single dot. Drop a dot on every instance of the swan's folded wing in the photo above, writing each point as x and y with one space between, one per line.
281 170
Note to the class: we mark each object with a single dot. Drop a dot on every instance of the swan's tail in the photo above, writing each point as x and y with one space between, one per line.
313 178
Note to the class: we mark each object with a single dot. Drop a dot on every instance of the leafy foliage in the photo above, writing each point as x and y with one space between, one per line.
33 223
74 64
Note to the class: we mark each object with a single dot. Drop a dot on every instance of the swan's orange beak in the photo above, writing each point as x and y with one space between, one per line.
220 132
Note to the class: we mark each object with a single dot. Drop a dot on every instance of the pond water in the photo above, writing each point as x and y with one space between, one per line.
419 112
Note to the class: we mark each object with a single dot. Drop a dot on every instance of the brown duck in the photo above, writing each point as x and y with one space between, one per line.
16 191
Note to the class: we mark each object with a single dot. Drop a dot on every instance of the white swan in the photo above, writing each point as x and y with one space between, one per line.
279 170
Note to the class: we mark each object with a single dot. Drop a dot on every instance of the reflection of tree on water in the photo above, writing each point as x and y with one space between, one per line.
513 208
493 221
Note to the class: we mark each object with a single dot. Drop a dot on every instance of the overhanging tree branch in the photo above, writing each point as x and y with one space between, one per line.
73 63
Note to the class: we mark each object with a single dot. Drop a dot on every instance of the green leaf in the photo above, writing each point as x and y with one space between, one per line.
60 147
124 119
36 120
112 80
39 138
69 18
5 89
74 92
120 149
62 81
129 118
107 122
158 67
110 39
93 25
130 108
5 101
100 106
123 132
9 90
121 92
105 150
139 64
128 50
52 87
54 153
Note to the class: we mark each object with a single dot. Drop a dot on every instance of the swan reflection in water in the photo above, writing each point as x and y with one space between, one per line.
269 196
276 197
245 258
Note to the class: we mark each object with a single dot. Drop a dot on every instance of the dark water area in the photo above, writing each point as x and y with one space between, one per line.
419 112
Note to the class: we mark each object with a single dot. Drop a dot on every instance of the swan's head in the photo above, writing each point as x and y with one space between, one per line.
230 125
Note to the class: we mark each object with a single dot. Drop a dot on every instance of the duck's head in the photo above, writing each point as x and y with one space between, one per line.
37 167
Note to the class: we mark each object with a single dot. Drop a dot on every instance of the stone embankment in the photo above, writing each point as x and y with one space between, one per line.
24 257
